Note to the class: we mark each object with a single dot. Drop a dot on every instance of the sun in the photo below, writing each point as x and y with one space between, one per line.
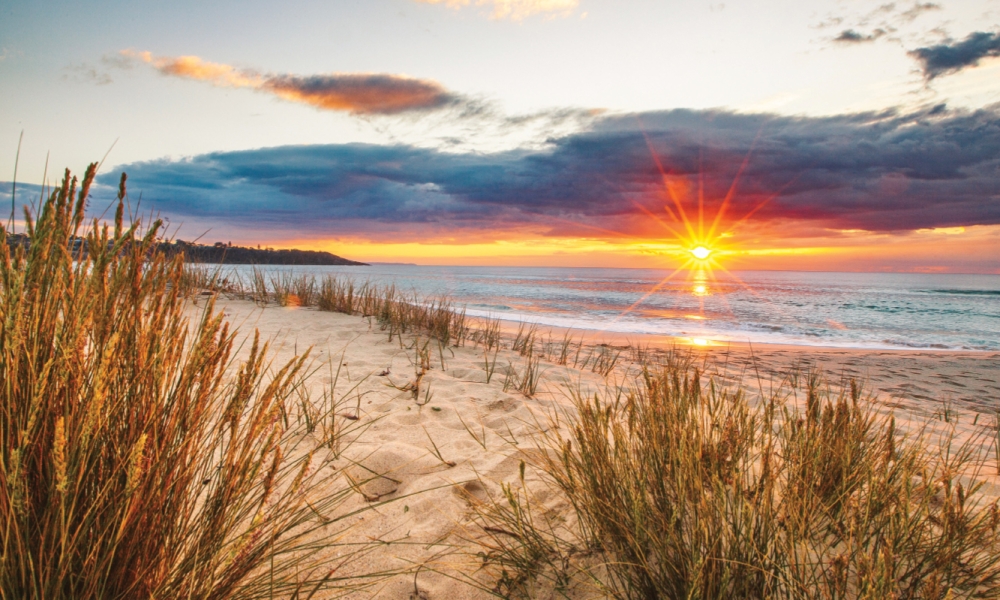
701 252
700 242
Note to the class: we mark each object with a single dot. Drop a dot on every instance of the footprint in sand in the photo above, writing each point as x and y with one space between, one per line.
472 491
378 475
503 404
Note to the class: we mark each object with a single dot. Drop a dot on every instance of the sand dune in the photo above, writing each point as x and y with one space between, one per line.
420 462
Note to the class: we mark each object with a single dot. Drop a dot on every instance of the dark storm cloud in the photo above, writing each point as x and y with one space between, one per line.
944 59
873 171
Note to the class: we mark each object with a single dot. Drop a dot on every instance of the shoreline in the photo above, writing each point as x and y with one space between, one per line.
663 341
917 379
577 306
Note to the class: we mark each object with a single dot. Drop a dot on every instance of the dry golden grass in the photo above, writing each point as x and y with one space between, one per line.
680 489
138 460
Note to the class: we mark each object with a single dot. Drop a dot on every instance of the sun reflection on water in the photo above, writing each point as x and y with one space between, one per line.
701 242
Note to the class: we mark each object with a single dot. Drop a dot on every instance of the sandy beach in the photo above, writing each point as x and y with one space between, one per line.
448 299
421 506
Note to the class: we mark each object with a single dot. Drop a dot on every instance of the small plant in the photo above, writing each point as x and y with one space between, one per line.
490 365
334 411
576 356
511 379
524 341
441 348
259 291
428 396
198 278
396 313
488 333
528 384
437 452
640 353
304 289
421 365
481 438
564 348
605 360
947 412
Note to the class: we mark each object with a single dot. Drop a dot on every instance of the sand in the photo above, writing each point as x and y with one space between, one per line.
421 508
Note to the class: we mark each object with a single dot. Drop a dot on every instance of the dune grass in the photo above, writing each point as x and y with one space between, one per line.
681 489
396 312
139 459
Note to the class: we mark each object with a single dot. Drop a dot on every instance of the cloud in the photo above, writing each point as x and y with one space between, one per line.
193 67
944 59
850 36
890 21
99 73
446 119
83 72
884 172
918 9
355 93
361 93
889 15
515 10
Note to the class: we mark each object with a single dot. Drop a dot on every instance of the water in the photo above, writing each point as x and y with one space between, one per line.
851 310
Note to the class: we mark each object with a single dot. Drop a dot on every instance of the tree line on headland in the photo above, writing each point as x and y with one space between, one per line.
220 252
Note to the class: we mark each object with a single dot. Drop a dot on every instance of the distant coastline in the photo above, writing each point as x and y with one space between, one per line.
239 255
222 253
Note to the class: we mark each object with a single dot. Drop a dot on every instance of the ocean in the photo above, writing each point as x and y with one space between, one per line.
847 310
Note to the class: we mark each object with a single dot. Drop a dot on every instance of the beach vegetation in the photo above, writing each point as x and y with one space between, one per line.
490 365
138 457
677 487
564 348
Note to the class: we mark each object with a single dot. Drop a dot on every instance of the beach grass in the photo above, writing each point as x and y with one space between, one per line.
396 312
139 458
678 488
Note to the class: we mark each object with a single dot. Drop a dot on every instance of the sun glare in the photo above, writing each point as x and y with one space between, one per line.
701 242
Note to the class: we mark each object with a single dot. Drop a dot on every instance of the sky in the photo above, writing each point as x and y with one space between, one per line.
822 135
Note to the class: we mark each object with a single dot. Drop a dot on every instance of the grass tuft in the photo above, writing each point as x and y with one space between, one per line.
681 489
138 458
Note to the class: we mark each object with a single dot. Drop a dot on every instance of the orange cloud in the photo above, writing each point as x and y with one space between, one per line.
356 93
367 93
192 67
515 10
